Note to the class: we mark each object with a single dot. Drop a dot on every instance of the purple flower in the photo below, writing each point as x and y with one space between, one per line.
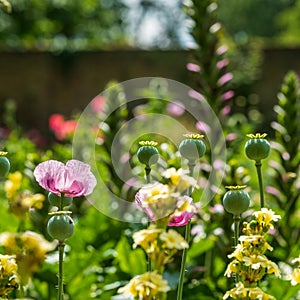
74 179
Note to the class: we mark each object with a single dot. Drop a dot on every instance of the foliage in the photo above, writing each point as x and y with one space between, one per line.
62 25
288 22
256 18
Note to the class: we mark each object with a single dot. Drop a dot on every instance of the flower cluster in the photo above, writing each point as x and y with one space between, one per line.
8 275
165 202
29 249
159 244
250 263
21 201
147 286
295 276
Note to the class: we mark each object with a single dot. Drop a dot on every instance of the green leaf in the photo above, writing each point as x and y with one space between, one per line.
200 247
131 261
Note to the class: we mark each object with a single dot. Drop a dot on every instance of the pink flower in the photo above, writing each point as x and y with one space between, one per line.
222 63
193 67
222 49
227 95
98 104
225 78
176 108
74 179
183 213
61 128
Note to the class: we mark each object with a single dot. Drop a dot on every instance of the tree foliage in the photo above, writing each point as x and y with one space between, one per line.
62 24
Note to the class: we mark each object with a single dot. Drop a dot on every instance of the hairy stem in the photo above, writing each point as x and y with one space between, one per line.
60 292
260 182
187 237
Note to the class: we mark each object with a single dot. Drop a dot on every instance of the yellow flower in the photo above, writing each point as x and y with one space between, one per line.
12 185
33 201
232 268
173 240
295 277
145 287
266 216
155 193
245 293
8 274
146 237
179 179
30 249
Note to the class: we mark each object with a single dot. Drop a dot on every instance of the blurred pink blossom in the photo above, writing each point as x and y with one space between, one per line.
273 191
193 67
226 110
225 79
74 179
62 129
222 49
98 103
222 63
202 126
176 108
227 95
231 136
196 95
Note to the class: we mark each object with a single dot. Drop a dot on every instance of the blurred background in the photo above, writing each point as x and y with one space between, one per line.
57 55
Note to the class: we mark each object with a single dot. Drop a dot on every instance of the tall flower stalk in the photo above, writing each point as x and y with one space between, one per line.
191 148
249 262
257 148
64 182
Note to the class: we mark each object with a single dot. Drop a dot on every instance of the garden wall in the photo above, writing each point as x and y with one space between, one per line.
44 83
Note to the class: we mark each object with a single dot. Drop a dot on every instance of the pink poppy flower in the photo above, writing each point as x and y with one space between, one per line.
74 179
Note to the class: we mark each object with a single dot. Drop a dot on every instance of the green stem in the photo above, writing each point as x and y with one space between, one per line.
147 171
187 237
236 220
148 180
60 292
260 182
61 207
183 262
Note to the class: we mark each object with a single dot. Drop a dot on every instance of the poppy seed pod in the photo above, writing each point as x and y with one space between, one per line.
236 200
192 147
257 147
148 153
60 226
4 165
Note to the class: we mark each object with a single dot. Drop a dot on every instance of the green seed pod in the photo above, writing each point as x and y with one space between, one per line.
257 147
60 226
4 165
192 147
148 153
54 200
236 200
